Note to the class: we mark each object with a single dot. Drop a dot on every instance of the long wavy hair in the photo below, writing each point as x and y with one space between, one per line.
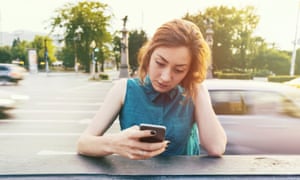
177 33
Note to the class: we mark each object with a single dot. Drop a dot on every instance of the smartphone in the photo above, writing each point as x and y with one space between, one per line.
158 137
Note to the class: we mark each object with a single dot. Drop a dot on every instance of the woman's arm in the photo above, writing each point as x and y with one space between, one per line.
93 141
212 135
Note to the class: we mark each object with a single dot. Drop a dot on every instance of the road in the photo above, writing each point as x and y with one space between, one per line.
59 108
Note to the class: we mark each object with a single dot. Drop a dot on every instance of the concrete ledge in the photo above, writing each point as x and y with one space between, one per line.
180 167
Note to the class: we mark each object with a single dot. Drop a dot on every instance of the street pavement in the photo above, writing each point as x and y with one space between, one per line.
59 108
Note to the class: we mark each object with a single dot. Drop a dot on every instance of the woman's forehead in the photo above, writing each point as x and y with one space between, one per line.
178 55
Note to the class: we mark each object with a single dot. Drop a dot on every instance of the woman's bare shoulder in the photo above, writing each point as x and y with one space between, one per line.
119 88
120 84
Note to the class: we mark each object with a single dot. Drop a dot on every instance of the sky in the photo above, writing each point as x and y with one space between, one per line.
277 17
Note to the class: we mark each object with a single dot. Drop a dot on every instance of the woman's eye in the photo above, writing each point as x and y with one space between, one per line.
160 63
179 71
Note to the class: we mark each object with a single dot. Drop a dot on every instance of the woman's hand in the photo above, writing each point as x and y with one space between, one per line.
127 144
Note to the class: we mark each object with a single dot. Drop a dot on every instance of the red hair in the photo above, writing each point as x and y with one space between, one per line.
178 33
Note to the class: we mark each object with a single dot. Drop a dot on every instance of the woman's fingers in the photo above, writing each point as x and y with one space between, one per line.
135 132
143 154
129 144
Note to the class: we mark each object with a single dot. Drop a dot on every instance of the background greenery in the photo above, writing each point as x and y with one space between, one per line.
235 50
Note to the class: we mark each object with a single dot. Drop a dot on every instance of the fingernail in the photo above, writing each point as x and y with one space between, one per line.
153 132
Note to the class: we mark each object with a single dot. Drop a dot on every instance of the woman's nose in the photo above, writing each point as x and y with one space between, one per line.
166 75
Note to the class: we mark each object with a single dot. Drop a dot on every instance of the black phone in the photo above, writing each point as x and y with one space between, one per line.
158 137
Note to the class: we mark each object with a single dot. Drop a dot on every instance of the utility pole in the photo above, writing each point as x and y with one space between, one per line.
292 69
46 56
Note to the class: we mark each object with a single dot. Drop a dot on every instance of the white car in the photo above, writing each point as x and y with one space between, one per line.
10 100
11 73
258 117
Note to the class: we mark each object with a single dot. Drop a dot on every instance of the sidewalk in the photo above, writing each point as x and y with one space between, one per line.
113 74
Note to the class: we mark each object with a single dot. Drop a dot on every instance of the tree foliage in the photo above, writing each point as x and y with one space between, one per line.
19 50
92 18
277 61
116 46
40 44
233 30
5 54
135 41
235 46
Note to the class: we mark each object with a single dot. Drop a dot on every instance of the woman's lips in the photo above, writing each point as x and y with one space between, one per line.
162 86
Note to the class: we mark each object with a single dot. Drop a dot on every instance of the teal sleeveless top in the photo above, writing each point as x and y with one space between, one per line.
143 104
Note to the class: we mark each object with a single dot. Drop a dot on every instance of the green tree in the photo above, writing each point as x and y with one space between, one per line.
103 54
40 43
135 41
16 42
5 54
278 61
233 30
243 36
259 60
92 18
67 56
19 51
297 62
116 49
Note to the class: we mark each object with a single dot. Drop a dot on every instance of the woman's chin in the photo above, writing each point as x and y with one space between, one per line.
161 89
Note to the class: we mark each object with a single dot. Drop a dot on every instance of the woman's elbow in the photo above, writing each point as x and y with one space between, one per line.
216 151
80 148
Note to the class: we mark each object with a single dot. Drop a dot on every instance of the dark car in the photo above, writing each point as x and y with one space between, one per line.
258 117
11 73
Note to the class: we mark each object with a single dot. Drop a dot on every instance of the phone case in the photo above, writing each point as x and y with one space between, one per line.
160 133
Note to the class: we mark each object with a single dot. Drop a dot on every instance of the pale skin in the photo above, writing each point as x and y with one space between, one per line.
167 68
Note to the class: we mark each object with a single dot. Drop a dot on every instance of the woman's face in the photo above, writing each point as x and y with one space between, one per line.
168 66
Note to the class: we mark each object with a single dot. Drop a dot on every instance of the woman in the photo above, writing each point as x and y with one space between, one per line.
168 91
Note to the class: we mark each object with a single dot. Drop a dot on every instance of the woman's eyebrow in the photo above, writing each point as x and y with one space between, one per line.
164 59
161 57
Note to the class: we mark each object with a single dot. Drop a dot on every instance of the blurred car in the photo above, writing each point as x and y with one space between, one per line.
294 82
11 73
258 117
10 100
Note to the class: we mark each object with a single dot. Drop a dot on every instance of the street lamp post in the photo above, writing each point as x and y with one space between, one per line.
93 46
210 41
46 56
124 51
77 38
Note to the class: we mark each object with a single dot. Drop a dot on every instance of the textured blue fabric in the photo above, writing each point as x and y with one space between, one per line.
144 105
